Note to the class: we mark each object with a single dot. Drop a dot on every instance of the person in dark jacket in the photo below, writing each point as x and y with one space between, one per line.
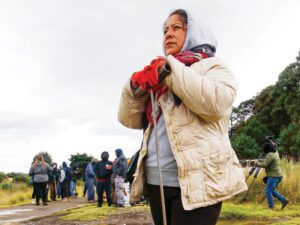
74 180
65 179
90 179
103 171
39 170
119 172
53 180
271 163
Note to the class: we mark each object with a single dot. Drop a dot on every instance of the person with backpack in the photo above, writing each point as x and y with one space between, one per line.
90 179
183 100
103 171
119 174
271 163
65 179
39 170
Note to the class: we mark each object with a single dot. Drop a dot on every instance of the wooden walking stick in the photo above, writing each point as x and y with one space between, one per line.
162 195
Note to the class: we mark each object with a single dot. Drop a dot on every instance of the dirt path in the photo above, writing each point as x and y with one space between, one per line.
12 215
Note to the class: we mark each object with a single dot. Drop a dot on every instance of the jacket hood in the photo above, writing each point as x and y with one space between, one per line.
104 156
119 152
197 35
64 164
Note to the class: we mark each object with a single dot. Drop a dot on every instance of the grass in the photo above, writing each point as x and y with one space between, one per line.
15 194
257 212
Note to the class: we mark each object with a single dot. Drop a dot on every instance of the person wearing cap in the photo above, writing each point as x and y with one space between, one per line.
103 171
193 95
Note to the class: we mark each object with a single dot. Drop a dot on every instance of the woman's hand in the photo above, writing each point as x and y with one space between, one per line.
148 78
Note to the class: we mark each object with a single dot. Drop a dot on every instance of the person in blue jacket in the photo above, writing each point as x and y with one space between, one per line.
90 178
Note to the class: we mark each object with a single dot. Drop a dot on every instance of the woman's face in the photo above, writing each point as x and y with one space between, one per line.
174 35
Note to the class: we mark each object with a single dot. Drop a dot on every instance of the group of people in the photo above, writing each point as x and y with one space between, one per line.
61 182
110 177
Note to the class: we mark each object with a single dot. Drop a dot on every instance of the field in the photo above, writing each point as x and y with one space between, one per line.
252 211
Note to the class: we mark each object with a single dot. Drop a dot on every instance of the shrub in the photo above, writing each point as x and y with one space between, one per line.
5 186
21 179
2 177
13 174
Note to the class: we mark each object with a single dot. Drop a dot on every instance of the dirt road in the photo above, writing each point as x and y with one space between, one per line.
14 215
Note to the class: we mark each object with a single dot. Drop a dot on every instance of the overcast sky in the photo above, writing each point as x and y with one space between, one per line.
63 64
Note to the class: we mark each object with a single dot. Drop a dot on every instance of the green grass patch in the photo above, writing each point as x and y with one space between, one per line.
257 212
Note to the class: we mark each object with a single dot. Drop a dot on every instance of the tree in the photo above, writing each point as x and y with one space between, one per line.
47 157
245 146
289 141
81 161
256 130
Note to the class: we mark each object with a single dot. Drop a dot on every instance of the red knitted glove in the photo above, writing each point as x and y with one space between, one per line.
148 77
188 57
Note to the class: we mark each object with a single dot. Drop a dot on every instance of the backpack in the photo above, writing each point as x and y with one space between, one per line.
132 167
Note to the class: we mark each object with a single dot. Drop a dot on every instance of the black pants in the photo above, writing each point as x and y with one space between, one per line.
65 189
33 196
41 191
176 215
101 187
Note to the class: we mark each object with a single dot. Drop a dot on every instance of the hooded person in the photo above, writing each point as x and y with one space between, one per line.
39 171
90 180
103 171
194 92
65 179
119 174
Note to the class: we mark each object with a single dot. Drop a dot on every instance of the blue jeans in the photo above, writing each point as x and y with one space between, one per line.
90 188
270 191
72 188
58 189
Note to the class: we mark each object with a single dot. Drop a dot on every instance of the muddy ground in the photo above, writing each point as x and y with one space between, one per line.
128 218
43 215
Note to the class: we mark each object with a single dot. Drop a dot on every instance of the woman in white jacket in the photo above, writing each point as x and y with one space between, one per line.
199 167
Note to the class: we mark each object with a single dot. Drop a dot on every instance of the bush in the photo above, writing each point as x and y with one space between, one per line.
2 177
13 174
5 186
22 179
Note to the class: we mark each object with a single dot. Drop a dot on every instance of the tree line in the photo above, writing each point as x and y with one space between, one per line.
275 111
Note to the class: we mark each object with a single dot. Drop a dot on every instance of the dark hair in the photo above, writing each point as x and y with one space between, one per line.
181 13
269 147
